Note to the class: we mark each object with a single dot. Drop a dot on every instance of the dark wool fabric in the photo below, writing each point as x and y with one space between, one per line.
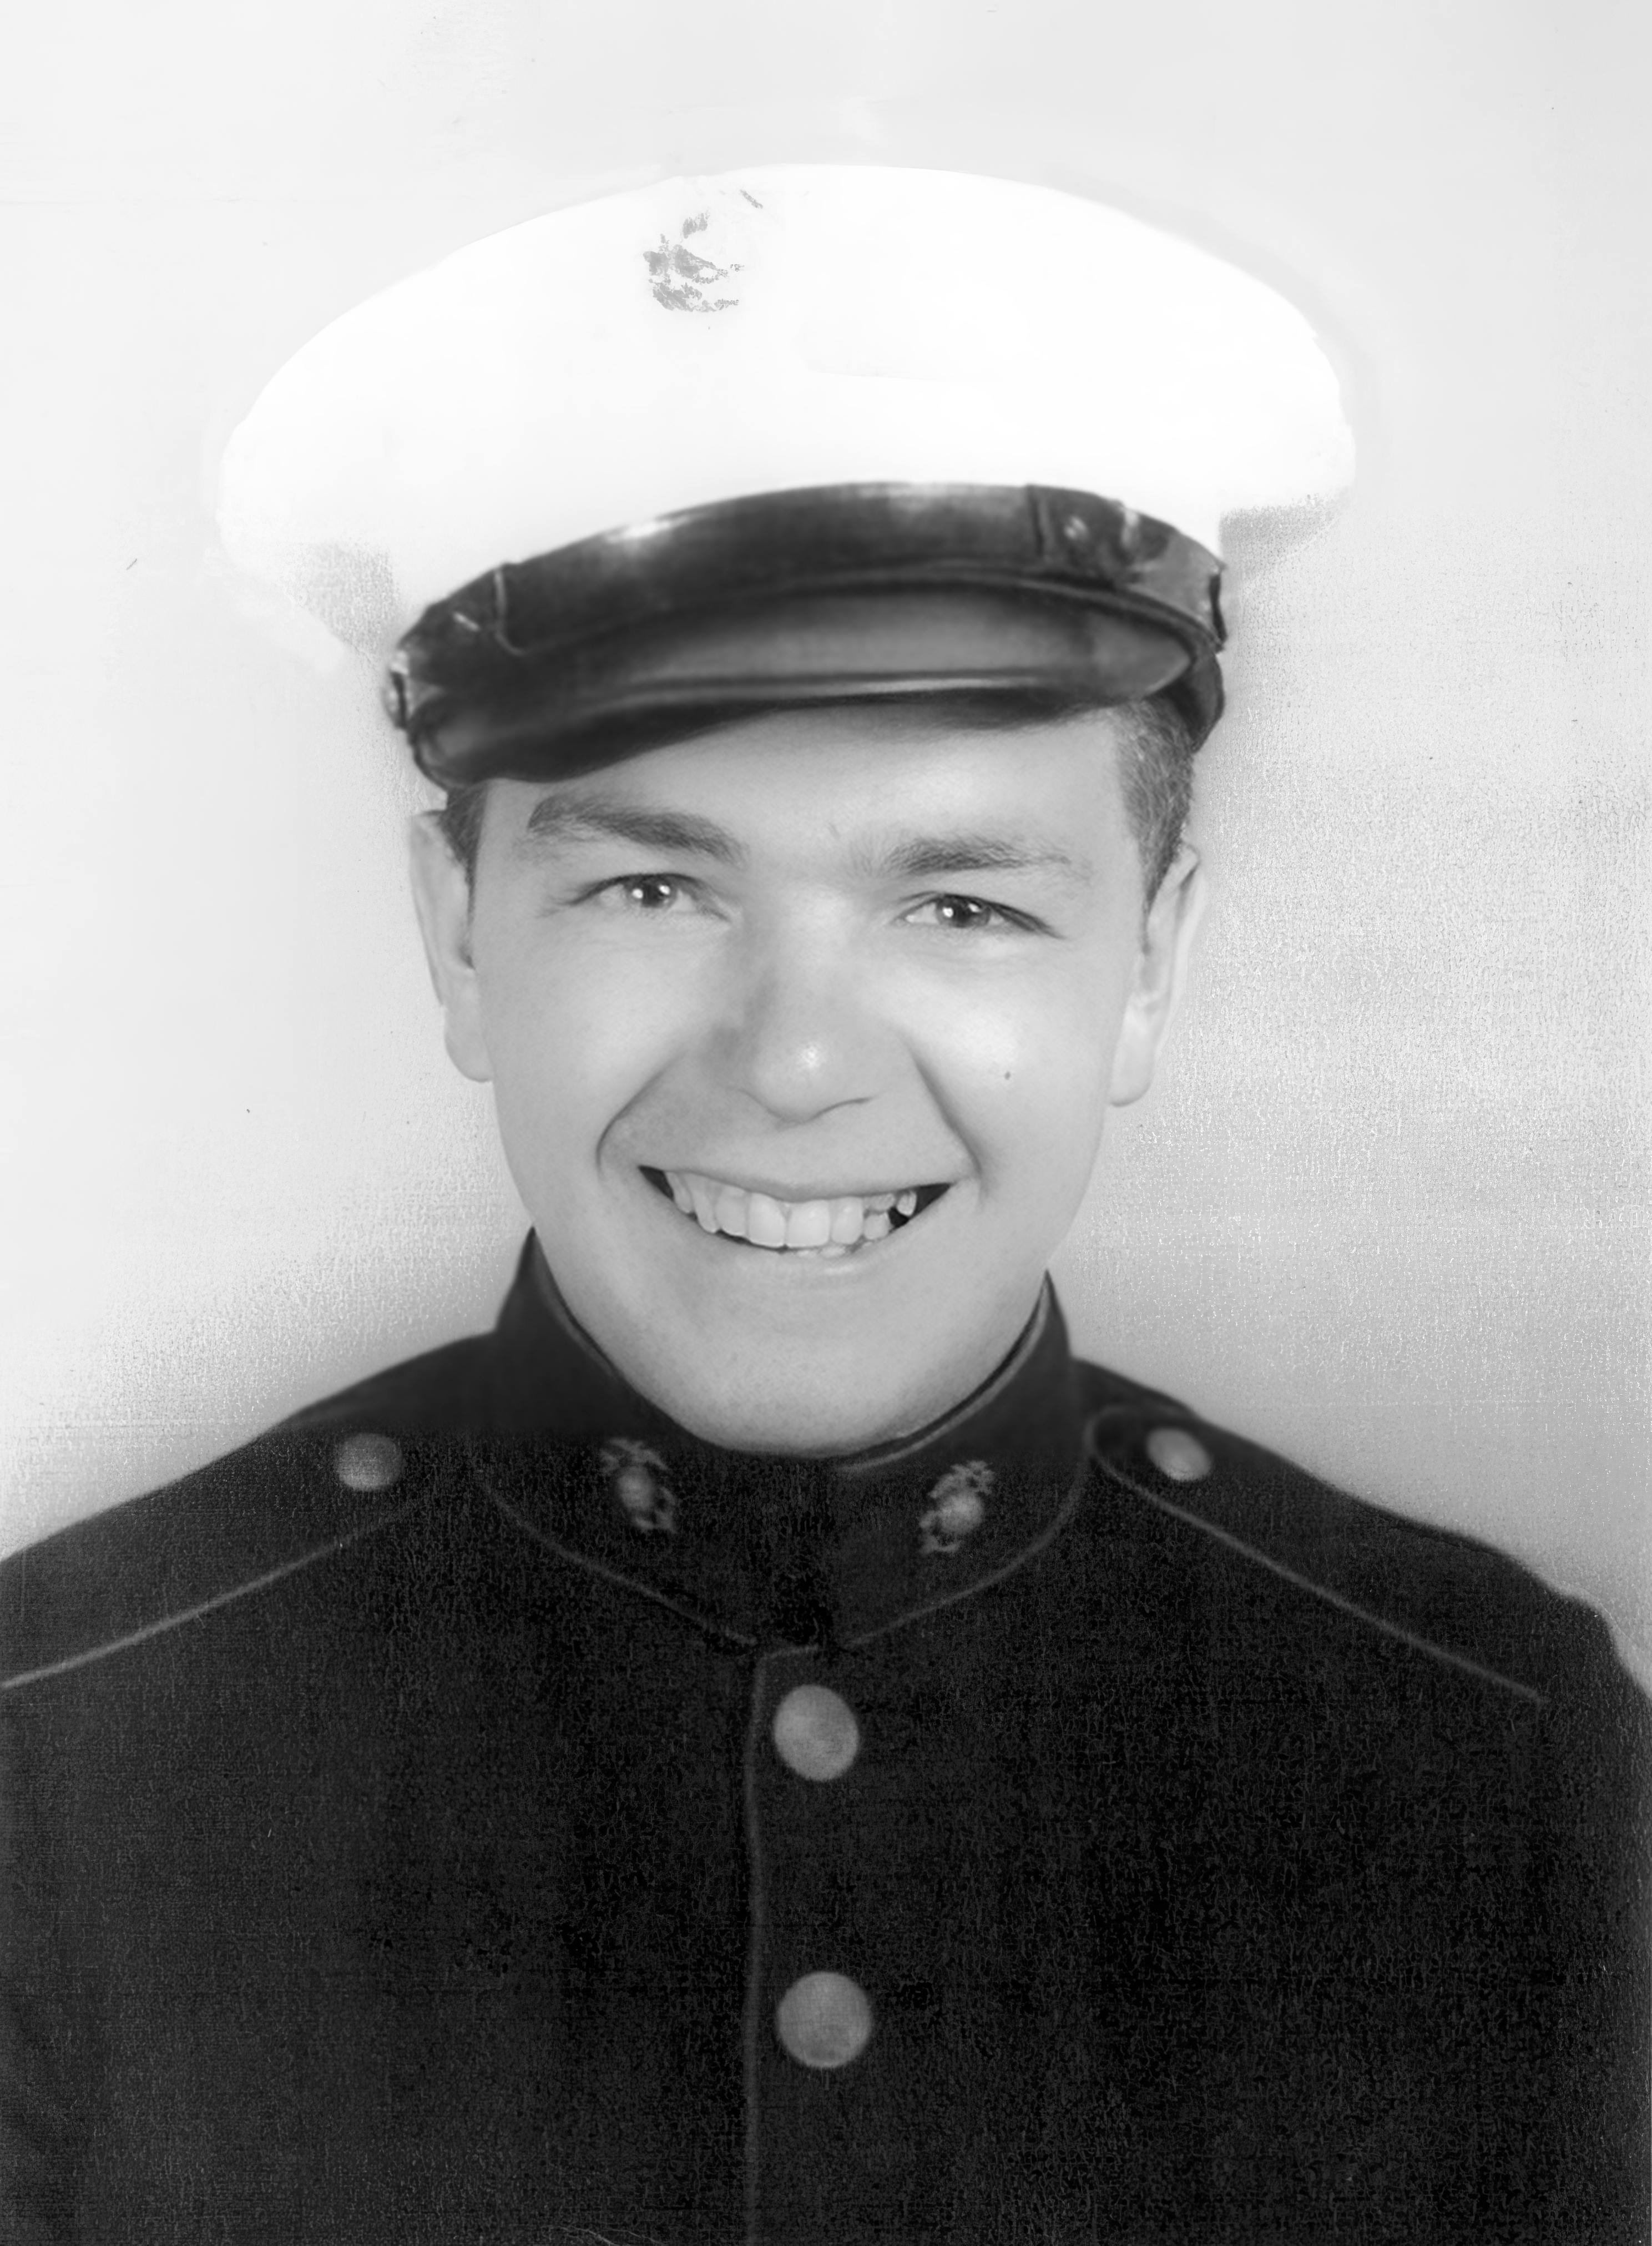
1223 1860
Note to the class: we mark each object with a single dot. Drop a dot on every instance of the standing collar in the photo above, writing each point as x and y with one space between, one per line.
774 1550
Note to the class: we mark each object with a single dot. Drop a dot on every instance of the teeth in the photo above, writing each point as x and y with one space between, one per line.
845 1222
807 1224
828 1227
765 1221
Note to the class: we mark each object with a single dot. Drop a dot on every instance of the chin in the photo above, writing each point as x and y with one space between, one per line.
802 1402
759 1351
787 1408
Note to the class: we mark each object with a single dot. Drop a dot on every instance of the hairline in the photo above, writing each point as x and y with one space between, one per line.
1156 746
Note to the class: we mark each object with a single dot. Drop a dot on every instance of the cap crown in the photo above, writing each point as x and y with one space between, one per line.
772 329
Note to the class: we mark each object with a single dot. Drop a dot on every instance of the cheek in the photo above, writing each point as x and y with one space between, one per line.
573 1032
1026 1072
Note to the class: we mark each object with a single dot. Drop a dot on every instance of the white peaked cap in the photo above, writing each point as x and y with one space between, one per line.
701 340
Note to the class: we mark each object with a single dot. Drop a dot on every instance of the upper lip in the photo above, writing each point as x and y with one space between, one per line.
747 1184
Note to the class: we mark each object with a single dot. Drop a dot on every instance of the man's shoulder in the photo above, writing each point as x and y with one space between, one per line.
337 1471
1243 1513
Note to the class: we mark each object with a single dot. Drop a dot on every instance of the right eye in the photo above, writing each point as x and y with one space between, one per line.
645 892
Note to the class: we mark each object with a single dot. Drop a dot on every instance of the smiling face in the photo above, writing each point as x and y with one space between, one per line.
802 1036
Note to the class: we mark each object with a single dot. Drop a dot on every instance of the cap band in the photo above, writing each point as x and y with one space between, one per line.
844 593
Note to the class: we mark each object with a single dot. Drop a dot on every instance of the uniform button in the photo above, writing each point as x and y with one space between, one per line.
823 2020
367 1462
1179 1455
815 1732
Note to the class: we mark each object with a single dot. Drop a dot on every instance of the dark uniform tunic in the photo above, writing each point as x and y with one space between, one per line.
476 1811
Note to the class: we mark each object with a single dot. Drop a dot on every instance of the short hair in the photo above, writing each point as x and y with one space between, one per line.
1156 772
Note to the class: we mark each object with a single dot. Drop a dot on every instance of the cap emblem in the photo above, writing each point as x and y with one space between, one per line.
680 279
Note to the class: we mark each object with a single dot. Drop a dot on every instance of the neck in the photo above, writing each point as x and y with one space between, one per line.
851 1461
769 1548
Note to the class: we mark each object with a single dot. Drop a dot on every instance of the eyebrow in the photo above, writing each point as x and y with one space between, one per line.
920 857
927 857
579 819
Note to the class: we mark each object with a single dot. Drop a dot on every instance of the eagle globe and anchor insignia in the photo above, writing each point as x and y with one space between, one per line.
636 1475
957 1507
681 278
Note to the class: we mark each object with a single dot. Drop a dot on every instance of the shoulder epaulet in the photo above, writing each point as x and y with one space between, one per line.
332 1474
1447 1595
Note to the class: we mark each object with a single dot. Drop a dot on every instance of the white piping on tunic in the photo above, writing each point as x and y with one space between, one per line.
859 1464
592 1566
205 1606
756 1929
1437 1652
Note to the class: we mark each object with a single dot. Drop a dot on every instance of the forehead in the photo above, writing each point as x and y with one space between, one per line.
813 780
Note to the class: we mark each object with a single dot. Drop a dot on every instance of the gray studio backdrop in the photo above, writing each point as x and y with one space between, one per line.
1386 1209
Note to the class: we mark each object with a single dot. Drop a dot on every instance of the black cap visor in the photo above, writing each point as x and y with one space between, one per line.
1007 601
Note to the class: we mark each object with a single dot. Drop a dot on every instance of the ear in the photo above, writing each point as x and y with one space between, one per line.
442 896
1161 969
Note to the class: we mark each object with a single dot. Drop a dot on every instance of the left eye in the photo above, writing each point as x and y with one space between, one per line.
965 915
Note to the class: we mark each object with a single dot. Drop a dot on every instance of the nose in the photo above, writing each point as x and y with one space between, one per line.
800 1036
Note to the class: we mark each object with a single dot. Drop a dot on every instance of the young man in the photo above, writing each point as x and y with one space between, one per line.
764 1747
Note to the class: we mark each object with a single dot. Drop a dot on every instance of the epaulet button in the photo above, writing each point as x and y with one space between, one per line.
1179 1455
368 1462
